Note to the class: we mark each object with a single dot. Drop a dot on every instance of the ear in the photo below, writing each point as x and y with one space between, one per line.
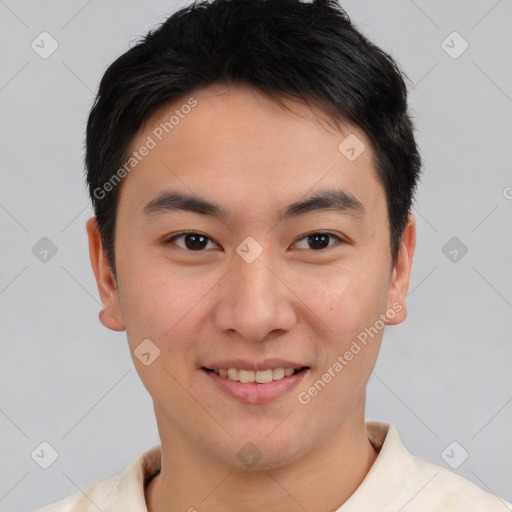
111 315
401 274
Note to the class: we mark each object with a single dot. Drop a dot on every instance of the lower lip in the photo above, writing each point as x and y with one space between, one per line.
254 393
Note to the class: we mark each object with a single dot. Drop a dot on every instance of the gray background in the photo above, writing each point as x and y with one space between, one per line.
443 376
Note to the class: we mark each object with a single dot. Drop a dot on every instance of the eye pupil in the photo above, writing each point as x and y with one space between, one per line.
195 241
318 240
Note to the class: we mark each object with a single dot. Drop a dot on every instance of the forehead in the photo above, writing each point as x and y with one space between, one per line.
245 149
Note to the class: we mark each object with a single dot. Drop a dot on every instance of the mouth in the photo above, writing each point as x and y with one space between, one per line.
260 386
256 376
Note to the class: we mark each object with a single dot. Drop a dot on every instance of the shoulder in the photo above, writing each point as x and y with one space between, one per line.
88 499
450 492
401 481
123 491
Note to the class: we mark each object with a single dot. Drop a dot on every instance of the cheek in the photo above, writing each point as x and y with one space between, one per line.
349 300
164 311
157 305
356 320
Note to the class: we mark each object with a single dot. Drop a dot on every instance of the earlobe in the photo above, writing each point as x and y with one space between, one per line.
109 321
401 274
111 315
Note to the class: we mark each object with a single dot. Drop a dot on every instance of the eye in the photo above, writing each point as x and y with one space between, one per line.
318 241
192 241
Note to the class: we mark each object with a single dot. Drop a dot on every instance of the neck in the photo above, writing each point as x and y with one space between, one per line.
321 480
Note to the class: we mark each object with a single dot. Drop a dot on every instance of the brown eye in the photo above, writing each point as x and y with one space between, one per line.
318 241
191 241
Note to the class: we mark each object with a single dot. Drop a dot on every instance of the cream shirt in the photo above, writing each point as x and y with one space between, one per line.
397 482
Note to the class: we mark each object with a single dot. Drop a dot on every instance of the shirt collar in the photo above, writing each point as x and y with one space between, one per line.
393 478
129 490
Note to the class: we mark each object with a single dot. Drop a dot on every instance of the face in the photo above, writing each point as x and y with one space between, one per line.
247 240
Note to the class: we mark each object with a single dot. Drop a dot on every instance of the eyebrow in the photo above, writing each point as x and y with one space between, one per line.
337 200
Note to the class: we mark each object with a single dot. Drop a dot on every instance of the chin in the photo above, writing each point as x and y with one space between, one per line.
261 453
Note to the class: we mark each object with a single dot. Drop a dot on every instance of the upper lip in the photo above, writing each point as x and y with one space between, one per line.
244 364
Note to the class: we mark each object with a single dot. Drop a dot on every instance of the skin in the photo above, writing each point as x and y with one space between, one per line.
242 150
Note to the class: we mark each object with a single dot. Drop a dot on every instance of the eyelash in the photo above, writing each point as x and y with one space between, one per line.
185 233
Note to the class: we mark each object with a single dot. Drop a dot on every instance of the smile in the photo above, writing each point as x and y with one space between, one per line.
259 376
256 386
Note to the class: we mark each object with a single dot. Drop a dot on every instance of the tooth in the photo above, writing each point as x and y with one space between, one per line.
246 375
260 376
216 372
277 373
233 374
263 376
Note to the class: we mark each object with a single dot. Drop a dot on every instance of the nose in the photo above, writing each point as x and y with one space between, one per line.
255 301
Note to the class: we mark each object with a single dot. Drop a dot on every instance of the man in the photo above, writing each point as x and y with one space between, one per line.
252 168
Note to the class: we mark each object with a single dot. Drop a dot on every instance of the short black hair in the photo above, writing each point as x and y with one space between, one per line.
308 51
